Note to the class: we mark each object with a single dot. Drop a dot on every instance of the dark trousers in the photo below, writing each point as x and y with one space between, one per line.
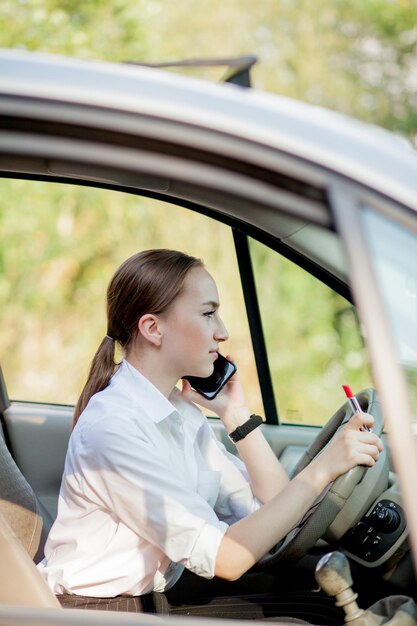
254 596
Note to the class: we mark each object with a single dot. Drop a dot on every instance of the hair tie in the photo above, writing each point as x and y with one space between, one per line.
111 338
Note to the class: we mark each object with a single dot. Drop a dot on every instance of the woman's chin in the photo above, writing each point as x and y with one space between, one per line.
203 372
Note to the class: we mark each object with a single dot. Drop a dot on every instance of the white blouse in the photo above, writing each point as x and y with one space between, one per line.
147 490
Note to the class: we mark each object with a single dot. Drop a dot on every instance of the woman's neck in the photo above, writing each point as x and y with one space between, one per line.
151 369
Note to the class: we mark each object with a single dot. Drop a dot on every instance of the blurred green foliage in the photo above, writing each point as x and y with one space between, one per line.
57 254
355 57
61 245
313 339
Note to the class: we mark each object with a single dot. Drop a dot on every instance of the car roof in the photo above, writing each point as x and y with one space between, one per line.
358 151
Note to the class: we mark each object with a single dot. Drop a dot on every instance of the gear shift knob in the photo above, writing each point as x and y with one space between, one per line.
333 573
334 577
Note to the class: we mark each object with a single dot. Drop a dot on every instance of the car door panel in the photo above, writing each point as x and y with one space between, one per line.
38 437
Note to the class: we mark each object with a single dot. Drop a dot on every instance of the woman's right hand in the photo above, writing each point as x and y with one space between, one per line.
230 404
350 447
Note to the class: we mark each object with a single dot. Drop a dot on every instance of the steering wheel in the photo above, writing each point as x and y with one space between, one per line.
336 497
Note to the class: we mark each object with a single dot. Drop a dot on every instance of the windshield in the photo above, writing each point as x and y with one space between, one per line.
394 255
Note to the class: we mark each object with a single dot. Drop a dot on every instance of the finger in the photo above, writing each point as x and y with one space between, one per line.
186 385
364 447
372 451
359 420
188 392
372 439
368 442
361 442
366 459
378 443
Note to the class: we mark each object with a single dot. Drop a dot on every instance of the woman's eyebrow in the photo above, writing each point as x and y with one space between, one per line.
211 303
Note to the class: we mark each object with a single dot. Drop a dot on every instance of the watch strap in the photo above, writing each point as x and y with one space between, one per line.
241 431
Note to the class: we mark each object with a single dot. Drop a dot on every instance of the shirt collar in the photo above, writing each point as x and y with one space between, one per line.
156 405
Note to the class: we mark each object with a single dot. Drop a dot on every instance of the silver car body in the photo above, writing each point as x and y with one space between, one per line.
233 148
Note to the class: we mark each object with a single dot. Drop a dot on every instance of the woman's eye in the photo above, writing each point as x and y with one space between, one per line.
209 313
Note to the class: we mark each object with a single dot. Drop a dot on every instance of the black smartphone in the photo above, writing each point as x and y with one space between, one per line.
209 387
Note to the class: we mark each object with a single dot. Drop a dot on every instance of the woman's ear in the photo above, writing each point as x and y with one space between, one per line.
149 329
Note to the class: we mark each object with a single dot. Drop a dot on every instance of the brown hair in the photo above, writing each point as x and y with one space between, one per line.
147 282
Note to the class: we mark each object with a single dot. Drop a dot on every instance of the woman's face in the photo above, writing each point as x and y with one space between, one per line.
192 328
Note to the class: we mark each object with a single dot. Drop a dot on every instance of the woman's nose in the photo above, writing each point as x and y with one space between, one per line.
221 333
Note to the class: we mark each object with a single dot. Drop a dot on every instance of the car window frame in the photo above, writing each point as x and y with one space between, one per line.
303 196
240 233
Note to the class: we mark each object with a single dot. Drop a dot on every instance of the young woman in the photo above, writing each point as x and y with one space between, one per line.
147 489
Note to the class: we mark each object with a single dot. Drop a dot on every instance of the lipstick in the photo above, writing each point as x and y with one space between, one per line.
355 406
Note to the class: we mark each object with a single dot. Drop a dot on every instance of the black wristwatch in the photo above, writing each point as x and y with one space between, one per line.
241 431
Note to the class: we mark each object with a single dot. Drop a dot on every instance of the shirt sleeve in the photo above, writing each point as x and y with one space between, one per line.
124 470
235 500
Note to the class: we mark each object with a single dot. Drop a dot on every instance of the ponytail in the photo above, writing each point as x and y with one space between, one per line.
101 371
147 282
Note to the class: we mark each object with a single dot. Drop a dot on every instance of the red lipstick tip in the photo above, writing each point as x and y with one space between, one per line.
348 391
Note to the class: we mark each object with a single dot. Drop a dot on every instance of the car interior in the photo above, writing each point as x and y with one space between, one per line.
265 227
35 433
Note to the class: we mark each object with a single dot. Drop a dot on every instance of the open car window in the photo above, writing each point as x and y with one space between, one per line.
63 244
313 339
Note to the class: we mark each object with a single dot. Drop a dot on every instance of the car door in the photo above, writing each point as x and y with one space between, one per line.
380 241
261 180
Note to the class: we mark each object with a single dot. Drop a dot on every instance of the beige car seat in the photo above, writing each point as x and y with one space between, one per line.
21 584
20 507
